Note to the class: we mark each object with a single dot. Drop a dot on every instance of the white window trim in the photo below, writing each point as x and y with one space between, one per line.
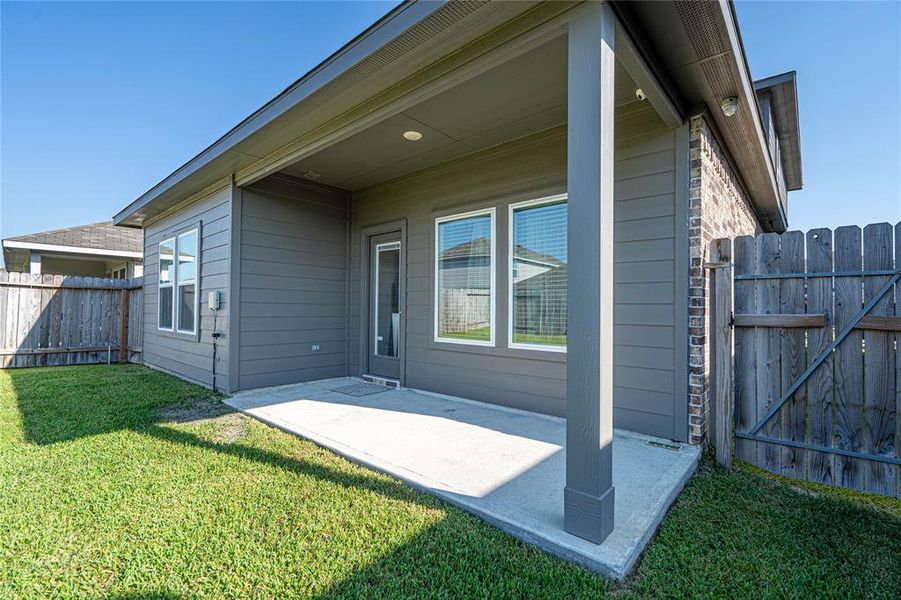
493 278
169 284
510 250
178 283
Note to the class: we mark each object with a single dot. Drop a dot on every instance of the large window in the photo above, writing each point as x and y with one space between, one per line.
538 273
464 290
187 282
178 283
166 305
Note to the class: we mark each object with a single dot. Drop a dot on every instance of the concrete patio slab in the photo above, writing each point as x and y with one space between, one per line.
506 466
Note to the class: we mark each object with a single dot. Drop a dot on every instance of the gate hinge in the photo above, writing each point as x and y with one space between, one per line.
731 320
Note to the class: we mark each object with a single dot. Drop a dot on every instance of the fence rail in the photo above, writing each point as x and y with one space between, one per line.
48 320
816 364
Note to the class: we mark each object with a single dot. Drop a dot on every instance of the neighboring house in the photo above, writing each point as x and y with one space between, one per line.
321 218
95 250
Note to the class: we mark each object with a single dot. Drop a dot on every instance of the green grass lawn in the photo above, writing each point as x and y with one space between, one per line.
484 334
124 482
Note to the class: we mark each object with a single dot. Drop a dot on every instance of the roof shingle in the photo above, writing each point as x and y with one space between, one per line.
101 236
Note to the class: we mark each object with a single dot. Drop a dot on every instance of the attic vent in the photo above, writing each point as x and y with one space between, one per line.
700 21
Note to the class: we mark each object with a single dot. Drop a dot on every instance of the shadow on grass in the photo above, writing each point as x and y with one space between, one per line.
731 534
457 556
384 486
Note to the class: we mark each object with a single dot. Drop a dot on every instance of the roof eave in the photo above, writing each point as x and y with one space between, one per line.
784 90
398 19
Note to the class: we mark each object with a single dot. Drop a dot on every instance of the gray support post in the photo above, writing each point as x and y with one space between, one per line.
588 496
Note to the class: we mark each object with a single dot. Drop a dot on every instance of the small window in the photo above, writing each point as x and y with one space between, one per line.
464 278
538 274
166 281
187 282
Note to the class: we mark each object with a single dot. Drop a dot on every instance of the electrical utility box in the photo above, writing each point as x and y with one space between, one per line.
214 299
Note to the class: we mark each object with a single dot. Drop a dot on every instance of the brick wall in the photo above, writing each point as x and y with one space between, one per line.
718 207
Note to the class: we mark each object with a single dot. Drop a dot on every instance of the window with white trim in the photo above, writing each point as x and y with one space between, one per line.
186 282
465 278
538 274
166 304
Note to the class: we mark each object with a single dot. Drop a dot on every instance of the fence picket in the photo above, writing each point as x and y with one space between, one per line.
55 318
768 341
898 364
848 359
46 298
793 353
819 389
879 381
21 335
745 350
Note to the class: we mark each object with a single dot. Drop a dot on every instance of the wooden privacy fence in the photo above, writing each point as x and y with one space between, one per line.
48 320
816 363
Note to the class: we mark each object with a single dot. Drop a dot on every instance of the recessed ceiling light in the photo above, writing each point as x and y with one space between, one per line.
413 136
310 174
639 93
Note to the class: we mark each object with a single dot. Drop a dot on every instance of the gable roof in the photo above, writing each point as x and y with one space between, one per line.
783 91
96 236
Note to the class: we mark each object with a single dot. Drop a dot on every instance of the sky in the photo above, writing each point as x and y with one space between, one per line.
848 59
100 101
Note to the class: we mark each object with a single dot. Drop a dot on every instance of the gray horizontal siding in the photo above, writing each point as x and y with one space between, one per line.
187 356
293 283
644 296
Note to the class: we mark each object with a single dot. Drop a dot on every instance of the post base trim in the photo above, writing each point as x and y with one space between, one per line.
587 516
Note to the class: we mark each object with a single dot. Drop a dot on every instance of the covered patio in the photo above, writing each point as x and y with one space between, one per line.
528 121
349 203
504 465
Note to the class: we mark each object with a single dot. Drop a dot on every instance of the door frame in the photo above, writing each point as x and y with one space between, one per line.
366 234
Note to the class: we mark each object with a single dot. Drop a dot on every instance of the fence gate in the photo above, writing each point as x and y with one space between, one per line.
816 361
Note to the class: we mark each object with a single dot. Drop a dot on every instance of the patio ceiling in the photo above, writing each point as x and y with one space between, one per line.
517 98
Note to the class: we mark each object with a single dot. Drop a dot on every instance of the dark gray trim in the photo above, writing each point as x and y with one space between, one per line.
365 234
348 285
682 278
588 505
234 291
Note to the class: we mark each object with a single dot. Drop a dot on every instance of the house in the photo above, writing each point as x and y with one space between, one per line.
416 208
95 250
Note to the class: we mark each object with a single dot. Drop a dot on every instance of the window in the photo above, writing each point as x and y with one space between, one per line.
538 274
119 273
187 282
464 273
178 283
167 278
